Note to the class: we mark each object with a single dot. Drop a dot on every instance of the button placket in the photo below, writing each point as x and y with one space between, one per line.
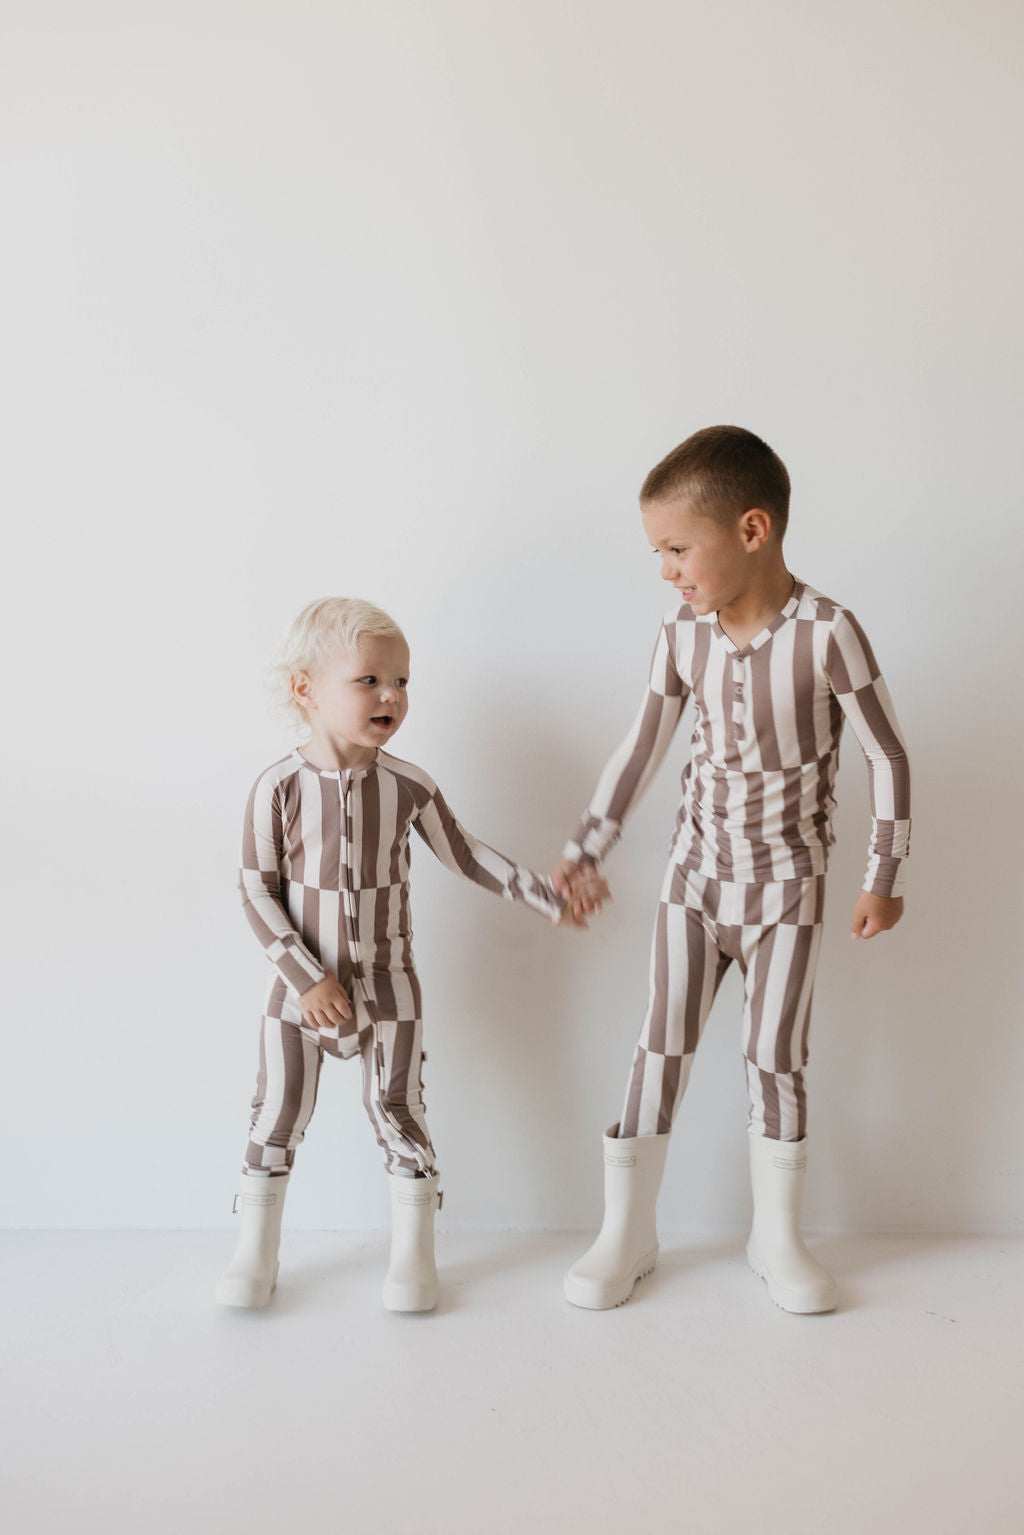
348 892
738 710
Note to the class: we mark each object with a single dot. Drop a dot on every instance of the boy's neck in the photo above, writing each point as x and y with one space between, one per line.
763 600
334 754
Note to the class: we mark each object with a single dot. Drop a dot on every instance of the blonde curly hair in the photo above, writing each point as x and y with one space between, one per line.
318 629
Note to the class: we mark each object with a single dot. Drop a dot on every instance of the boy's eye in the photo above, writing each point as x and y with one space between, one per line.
370 680
401 682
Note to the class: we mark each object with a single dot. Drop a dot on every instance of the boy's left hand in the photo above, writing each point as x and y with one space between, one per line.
875 914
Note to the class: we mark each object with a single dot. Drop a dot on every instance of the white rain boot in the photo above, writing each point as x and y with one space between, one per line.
250 1277
776 1249
627 1246
411 1283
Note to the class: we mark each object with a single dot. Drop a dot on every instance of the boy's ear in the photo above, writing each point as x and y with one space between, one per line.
756 525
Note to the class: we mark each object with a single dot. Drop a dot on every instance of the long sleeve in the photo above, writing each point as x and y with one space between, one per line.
862 695
464 854
635 761
260 884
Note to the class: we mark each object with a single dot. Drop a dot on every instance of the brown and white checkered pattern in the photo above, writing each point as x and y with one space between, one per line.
773 931
758 790
325 887
289 1072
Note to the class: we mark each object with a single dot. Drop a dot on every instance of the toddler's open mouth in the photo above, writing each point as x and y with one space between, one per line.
384 720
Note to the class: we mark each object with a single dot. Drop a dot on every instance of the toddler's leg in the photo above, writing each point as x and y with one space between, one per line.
285 1095
286 1086
686 971
393 1095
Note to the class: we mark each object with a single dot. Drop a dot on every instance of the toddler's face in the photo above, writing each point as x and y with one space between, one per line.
706 563
359 696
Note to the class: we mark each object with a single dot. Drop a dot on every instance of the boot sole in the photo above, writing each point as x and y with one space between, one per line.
243 1294
409 1298
593 1295
793 1303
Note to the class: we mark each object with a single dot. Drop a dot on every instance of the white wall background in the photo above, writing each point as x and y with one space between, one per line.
403 299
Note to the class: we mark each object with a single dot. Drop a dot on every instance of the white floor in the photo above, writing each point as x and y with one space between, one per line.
131 1404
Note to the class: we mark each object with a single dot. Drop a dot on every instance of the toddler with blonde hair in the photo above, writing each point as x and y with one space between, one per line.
325 886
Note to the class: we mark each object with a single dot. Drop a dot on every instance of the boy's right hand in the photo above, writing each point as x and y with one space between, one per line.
327 1004
583 887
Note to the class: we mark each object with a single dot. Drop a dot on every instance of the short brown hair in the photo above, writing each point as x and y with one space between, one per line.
724 471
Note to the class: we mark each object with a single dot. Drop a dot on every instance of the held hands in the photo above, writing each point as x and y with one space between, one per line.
326 1005
584 889
875 914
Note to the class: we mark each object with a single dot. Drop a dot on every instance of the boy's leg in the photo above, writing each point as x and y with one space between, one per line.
778 938
286 1086
779 958
686 971
392 1058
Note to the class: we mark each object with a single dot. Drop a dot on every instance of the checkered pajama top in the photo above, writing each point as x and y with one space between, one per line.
757 796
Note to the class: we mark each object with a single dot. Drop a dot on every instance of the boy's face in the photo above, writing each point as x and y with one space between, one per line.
707 564
359 696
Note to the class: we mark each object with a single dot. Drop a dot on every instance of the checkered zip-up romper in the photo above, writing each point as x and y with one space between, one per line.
325 886
745 879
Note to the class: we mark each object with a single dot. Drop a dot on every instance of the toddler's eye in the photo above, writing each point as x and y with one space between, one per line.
402 682
372 681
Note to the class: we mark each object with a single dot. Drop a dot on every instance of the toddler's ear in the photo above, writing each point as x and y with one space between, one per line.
302 690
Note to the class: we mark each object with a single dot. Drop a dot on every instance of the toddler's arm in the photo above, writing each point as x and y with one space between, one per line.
464 854
260 884
862 695
633 764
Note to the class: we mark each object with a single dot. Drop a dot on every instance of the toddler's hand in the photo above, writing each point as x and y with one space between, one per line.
584 888
327 1004
563 873
875 914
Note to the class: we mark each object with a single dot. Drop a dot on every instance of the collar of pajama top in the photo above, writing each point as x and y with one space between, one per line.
341 774
757 796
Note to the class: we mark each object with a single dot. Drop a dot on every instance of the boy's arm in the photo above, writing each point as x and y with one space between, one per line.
864 699
634 762
260 884
464 854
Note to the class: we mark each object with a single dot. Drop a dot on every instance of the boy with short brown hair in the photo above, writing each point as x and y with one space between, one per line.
774 669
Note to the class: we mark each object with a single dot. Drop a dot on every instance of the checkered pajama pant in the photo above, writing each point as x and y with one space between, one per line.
773 932
286 1087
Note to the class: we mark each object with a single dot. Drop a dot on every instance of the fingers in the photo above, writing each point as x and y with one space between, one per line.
571 916
332 1008
562 875
589 892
